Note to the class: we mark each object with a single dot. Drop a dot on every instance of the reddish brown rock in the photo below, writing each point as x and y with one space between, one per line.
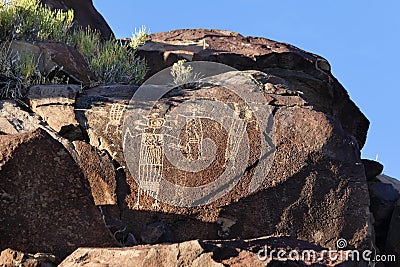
100 172
55 104
306 72
85 14
56 60
197 253
316 182
11 258
45 200
69 61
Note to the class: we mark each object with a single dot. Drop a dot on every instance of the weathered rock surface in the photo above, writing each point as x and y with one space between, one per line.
85 14
389 180
55 104
207 253
12 258
100 112
317 181
16 120
305 71
393 237
56 60
383 201
45 200
100 172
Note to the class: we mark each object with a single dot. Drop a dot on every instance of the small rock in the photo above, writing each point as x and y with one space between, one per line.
154 233
372 168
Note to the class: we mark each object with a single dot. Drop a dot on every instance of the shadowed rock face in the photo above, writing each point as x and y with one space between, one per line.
45 200
85 14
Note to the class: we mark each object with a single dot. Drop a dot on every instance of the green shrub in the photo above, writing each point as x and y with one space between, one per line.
87 41
29 20
111 61
115 62
11 80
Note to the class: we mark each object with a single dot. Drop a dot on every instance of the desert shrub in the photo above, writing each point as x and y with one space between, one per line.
10 79
139 37
184 76
110 61
29 20
87 41
19 71
115 62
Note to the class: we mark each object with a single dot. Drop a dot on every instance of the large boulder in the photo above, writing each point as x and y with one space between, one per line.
45 199
100 172
317 181
389 180
383 202
16 119
85 14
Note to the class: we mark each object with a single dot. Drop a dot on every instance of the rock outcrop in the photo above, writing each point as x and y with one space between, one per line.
100 172
306 72
314 189
317 180
85 14
392 246
385 199
198 253
46 204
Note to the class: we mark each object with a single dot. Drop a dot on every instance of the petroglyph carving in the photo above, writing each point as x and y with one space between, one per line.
191 142
151 161
115 115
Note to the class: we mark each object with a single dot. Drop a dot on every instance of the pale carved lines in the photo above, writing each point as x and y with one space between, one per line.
115 115
151 159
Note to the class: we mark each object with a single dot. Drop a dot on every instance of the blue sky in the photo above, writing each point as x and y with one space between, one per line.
360 39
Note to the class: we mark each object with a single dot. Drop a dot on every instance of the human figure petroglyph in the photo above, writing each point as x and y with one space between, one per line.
191 143
151 161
